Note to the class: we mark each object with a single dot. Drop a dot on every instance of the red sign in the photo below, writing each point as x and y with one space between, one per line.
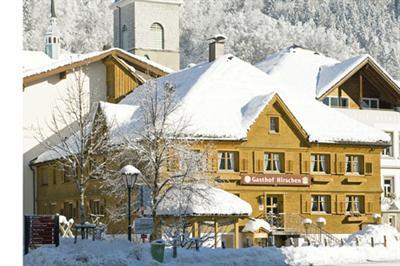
275 180
40 230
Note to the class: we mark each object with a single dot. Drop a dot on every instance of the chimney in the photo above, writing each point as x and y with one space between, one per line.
216 47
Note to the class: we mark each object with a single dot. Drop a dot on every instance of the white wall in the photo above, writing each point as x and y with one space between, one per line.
39 101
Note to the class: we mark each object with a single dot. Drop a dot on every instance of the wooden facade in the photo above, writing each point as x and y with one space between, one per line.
365 81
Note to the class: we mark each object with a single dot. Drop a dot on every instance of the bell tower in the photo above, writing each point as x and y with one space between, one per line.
52 38
149 28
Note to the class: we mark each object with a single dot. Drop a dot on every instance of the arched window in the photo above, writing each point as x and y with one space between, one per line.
156 36
124 37
49 39
54 40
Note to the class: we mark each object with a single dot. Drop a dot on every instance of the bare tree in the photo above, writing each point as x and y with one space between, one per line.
161 148
83 150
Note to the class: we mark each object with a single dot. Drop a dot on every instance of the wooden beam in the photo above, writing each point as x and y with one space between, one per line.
361 90
236 240
195 229
215 233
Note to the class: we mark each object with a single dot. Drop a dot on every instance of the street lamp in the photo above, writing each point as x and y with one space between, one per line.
321 222
376 217
130 174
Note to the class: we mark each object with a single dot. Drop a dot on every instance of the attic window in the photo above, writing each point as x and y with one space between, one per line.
63 75
274 124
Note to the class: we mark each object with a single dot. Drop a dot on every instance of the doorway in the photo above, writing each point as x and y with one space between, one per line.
274 210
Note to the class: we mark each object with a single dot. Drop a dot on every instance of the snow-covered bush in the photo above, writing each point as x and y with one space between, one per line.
378 232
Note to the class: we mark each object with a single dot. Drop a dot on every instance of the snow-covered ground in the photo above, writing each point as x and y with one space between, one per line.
122 252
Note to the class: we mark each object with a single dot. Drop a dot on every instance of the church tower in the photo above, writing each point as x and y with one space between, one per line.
149 28
52 39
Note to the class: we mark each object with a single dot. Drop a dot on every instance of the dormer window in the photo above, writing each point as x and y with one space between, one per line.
336 101
370 103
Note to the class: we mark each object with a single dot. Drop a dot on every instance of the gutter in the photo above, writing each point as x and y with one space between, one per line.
31 164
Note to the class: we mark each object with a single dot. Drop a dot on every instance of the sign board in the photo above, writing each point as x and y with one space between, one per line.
143 225
41 230
275 180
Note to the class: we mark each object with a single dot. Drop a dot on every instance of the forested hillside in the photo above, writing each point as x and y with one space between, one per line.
256 28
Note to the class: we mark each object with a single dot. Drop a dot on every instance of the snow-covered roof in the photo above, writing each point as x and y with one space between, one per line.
316 74
222 99
43 64
254 225
329 75
202 200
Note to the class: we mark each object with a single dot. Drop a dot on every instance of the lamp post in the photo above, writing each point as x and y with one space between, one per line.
130 174
307 223
321 222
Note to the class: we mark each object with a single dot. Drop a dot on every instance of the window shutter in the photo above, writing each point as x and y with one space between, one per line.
332 167
368 169
340 164
244 161
340 204
305 203
212 161
258 161
305 163
289 163
369 208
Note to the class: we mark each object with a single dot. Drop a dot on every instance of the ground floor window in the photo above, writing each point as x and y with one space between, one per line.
392 220
355 204
320 203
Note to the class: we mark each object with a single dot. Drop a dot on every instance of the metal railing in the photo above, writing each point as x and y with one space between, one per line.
293 223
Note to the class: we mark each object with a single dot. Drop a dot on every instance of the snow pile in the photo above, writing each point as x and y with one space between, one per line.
122 252
346 255
201 199
377 232
254 225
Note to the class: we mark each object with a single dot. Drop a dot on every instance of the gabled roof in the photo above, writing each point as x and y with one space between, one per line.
331 76
47 67
223 98
314 74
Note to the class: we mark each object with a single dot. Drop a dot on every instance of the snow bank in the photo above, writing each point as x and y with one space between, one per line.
377 232
122 252
255 224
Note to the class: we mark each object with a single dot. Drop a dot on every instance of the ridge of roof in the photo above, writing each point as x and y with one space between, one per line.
68 59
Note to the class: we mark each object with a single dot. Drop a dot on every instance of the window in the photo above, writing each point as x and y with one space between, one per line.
388 151
320 163
354 164
273 162
320 203
392 220
95 207
274 124
156 36
49 39
54 40
227 160
355 204
388 186
124 37
68 210
370 103
334 101
45 177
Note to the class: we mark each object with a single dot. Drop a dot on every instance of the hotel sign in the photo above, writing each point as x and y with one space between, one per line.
275 180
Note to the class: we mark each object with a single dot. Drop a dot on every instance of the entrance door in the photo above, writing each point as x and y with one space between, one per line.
274 209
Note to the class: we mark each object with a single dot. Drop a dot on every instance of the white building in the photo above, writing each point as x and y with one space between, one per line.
149 28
